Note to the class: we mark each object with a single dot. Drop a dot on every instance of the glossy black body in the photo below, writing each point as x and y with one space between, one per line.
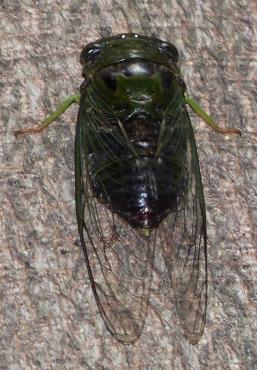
138 181
143 186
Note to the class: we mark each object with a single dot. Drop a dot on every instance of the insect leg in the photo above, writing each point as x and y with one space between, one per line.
53 117
207 119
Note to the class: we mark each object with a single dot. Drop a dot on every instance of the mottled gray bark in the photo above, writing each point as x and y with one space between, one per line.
49 318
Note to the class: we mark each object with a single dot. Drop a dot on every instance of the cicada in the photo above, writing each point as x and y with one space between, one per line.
137 182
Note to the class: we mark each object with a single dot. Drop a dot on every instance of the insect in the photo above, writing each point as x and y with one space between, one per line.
137 181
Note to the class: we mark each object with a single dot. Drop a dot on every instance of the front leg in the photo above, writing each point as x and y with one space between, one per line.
53 117
207 119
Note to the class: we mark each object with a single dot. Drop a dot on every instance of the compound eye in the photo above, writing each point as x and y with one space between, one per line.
90 53
170 50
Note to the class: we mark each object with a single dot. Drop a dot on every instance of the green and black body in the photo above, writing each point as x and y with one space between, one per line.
132 112
136 156
138 182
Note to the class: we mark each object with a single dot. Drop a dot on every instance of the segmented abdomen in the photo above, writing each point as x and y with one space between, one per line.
141 188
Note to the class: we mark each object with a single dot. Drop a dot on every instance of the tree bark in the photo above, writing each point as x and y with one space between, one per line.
49 319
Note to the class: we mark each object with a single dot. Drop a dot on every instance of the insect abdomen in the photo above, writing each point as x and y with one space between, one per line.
142 189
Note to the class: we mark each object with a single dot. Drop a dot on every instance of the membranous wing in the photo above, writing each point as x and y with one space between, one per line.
183 232
118 257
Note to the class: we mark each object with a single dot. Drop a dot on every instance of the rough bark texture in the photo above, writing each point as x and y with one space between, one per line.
49 319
